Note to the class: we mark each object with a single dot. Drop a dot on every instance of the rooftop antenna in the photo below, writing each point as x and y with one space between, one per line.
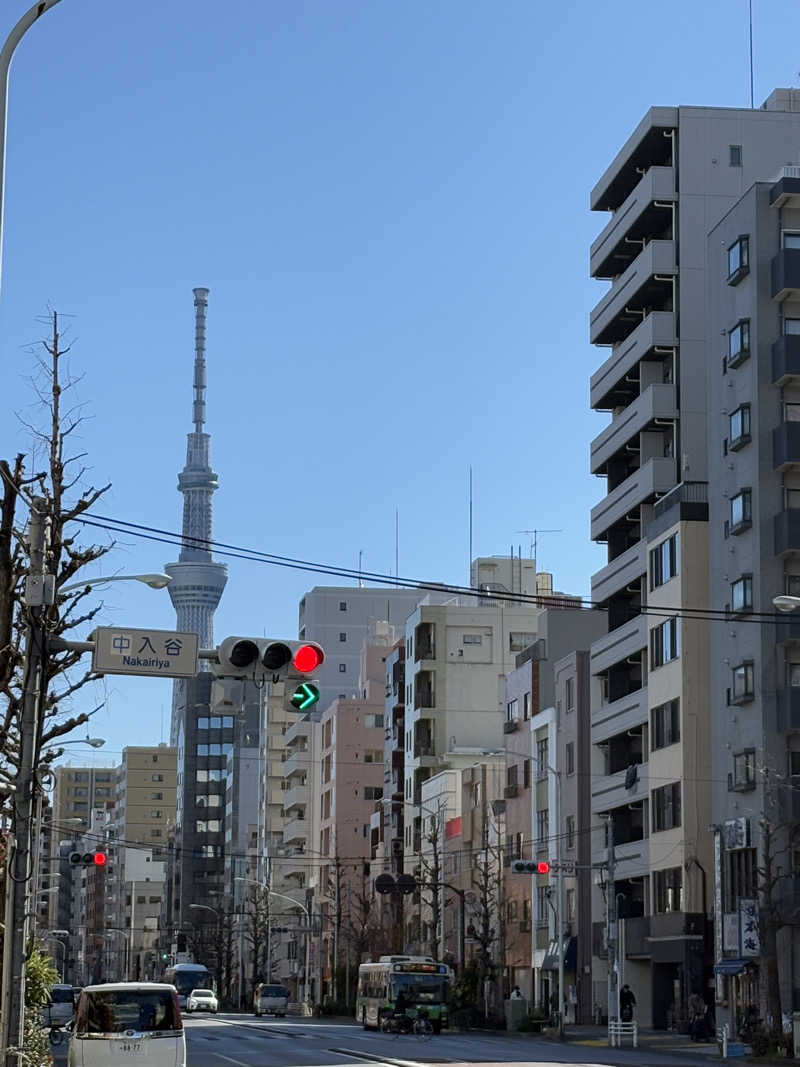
396 543
751 55
534 536
470 524
360 579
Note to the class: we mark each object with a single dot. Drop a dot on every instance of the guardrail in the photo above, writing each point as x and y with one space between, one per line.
618 1031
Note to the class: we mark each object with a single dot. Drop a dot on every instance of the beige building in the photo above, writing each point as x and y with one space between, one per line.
146 794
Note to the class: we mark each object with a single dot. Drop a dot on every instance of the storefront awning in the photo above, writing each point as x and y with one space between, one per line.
733 965
550 962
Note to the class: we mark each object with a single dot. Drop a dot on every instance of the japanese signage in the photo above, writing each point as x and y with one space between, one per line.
160 653
748 928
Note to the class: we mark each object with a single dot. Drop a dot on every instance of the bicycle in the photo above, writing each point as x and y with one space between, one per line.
422 1027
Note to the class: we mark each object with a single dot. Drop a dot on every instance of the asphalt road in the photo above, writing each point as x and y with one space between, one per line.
244 1041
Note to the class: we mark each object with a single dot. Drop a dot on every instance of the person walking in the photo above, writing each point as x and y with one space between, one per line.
627 1002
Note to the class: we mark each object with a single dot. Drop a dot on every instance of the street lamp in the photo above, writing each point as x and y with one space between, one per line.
154 581
50 935
32 15
94 742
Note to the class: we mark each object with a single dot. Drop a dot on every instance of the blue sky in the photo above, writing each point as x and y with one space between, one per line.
388 203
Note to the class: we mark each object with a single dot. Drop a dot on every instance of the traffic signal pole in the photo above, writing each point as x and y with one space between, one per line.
19 874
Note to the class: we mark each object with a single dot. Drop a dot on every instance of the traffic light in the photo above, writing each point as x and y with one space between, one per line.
259 657
98 858
530 867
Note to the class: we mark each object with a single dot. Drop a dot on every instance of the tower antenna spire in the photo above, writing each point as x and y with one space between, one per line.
199 405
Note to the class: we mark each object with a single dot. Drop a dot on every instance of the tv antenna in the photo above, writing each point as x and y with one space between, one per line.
534 536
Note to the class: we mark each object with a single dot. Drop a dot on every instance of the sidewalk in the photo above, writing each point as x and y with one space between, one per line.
667 1041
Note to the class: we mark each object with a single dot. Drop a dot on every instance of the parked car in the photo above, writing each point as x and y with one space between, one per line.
202 1000
133 1023
270 999
61 1007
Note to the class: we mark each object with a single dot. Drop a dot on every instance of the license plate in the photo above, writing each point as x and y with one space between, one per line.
127 1048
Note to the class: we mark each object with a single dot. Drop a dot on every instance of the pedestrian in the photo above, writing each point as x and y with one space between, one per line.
516 993
627 1002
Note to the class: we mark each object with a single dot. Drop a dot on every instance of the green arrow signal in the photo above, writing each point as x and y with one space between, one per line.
305 696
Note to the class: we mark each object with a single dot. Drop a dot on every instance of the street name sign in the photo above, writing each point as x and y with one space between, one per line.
157 653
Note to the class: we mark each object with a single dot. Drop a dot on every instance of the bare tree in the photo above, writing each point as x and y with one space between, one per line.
430 879
257 932
57 482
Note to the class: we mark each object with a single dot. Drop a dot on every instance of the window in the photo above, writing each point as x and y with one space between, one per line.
542 757
342 605
734 155
738 260
744 770
372 721
158 778
742 594
570 757
526 774
739 343
570 831
664 643
542 828
665 725
664 561
739 427
526 706
668 890
541 905
342 636
794 764
791 326
511 911
569 694
743 677
342 668
741 511
208 826
472 639
570 905
156 796
666 806
512 711
791 239
373 792
156 813
793 674
155 833
373 755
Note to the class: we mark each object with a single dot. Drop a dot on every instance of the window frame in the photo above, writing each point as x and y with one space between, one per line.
743 586
747 694
665 724
739 440
740 332
741 267
666 807
665 643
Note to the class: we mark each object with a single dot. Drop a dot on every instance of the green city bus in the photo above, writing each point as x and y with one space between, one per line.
426 984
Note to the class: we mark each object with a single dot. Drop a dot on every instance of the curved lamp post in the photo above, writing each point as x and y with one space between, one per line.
154 581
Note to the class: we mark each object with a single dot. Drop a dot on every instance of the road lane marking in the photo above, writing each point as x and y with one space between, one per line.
230 1059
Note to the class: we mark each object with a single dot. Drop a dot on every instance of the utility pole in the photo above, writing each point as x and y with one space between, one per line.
611 927
559 905
39 591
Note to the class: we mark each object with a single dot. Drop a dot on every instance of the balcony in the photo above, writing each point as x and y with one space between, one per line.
425 753
623 714
786 188
297 763
424 644
786 273
296 831
786 359
297 797
787 708
625 641
656 402
511 791
639 217
787 629
655 477
785 444
647 285
787 531
610 792
647 146
626 569
424 695
608 388
297 733
510 725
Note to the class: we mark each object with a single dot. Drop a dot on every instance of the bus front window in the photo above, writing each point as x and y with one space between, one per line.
420 988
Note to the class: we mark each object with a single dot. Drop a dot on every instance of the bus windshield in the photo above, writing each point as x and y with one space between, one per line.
186 981
421 988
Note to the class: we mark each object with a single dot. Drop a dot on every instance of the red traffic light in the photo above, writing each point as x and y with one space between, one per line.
100 859
543 867
307 658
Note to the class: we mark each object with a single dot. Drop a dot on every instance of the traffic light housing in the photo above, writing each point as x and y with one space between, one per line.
530 867
267 657
97 858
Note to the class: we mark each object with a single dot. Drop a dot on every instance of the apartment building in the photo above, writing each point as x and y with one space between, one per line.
678 174
753 329
341 619
77 792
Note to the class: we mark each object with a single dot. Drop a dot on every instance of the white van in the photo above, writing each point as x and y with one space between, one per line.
133 1023
270 999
